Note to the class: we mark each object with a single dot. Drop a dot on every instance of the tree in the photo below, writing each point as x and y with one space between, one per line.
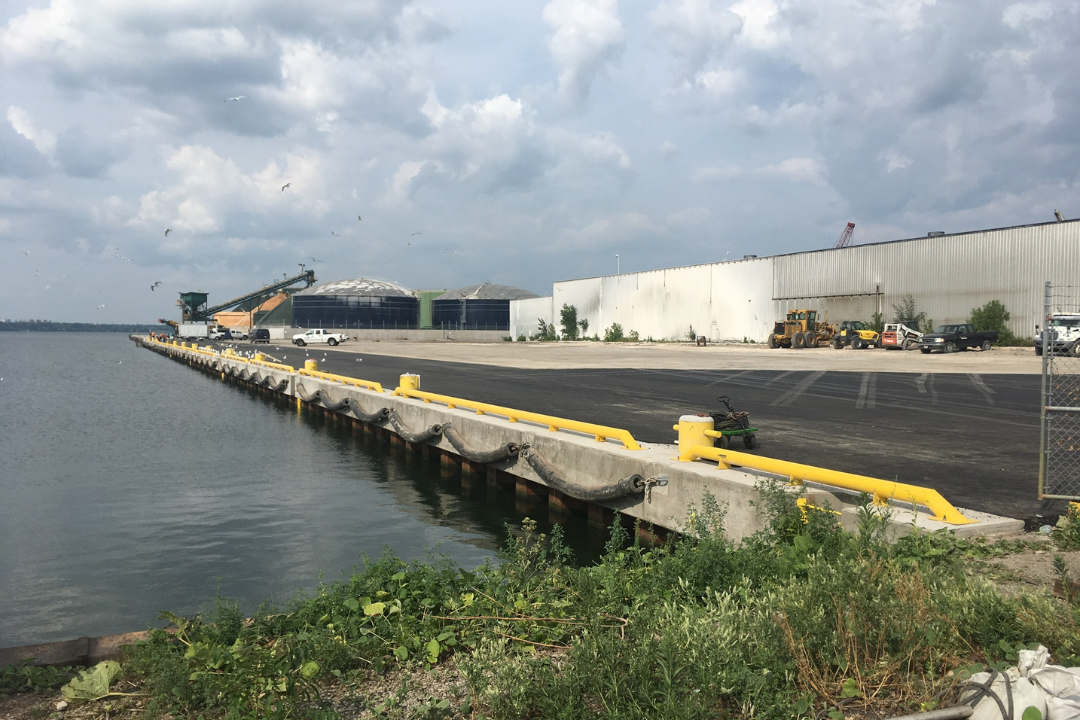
877 323
546 330
992 316
584 325
905 312
613 333
568 315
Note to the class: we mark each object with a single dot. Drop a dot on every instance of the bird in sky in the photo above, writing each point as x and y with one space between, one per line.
288 184
25 252
48 286
167 231
334 234
359 218
417 233
155 284
100 306
236 99
315 259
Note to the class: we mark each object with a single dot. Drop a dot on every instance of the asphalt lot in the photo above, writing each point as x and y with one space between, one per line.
973 436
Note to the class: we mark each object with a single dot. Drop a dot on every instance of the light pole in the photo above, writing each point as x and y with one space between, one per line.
618 265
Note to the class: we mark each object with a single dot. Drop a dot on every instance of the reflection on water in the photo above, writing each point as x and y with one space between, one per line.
133 484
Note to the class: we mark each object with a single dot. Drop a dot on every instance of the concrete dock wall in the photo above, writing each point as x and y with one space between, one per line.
676 487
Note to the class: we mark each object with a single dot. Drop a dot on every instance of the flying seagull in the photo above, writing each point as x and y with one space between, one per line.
234 99
155 285
416 233
25 252
100 306
167 231
288 184
359 218
334 234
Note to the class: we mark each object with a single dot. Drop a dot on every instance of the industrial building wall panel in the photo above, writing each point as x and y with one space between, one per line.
947 276
525 315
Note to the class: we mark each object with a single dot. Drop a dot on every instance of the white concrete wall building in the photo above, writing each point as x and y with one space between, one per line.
947 275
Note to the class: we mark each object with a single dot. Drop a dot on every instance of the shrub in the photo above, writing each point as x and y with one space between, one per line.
584 325
905 312
614 333
546 331
993 316
633 336
568 318
877 322
692 334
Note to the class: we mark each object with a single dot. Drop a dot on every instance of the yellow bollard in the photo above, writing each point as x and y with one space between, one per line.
311 365
692 431
409 381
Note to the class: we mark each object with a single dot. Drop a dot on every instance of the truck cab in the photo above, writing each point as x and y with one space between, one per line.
1062 334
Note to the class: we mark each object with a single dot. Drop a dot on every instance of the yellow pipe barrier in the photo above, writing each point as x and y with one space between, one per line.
881 490
601 433
369 384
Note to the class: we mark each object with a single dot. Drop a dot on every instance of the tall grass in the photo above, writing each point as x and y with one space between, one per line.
802 619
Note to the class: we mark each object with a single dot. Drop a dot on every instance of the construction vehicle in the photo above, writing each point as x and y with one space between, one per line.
898 336
801 329
857 334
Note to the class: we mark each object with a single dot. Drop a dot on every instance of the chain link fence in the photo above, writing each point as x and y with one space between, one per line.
1059 345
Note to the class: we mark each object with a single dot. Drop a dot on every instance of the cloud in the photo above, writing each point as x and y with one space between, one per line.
717 172
1022 13
894 160
211 190
798 169
587 36
697 29
43 140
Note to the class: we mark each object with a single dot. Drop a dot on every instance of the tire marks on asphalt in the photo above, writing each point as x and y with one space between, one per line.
781 376
793 394
982 387
867 392
925 384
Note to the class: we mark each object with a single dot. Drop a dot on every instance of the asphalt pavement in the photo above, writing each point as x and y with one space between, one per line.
974 437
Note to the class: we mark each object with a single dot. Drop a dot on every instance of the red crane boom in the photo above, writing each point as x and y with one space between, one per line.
845 237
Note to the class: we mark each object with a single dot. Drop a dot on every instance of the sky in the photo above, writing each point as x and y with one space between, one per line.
440 144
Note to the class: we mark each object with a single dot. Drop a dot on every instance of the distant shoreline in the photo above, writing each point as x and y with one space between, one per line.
50 326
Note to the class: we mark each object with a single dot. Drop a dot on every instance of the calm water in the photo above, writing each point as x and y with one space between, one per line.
131 484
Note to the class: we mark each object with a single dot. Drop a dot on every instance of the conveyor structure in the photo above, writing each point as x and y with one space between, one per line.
194 308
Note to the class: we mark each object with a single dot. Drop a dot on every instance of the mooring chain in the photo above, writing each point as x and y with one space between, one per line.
651 482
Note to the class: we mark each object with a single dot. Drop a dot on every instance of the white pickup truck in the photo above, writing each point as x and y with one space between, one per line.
319 336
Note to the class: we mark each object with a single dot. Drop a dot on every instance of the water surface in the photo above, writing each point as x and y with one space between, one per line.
131 484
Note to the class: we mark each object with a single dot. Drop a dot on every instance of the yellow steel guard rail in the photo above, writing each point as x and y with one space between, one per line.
929 498
601 433
263 363
369 384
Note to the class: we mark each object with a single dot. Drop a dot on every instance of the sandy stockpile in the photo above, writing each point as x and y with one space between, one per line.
685 356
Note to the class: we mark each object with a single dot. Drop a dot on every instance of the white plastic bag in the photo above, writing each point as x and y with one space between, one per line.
1002 692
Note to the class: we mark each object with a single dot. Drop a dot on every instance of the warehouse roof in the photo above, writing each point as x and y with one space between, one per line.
487 291
363 287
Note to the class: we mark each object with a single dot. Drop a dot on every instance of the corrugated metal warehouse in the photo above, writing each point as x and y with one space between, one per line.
947 275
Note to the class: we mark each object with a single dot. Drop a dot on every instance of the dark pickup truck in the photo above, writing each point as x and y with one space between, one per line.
950 338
